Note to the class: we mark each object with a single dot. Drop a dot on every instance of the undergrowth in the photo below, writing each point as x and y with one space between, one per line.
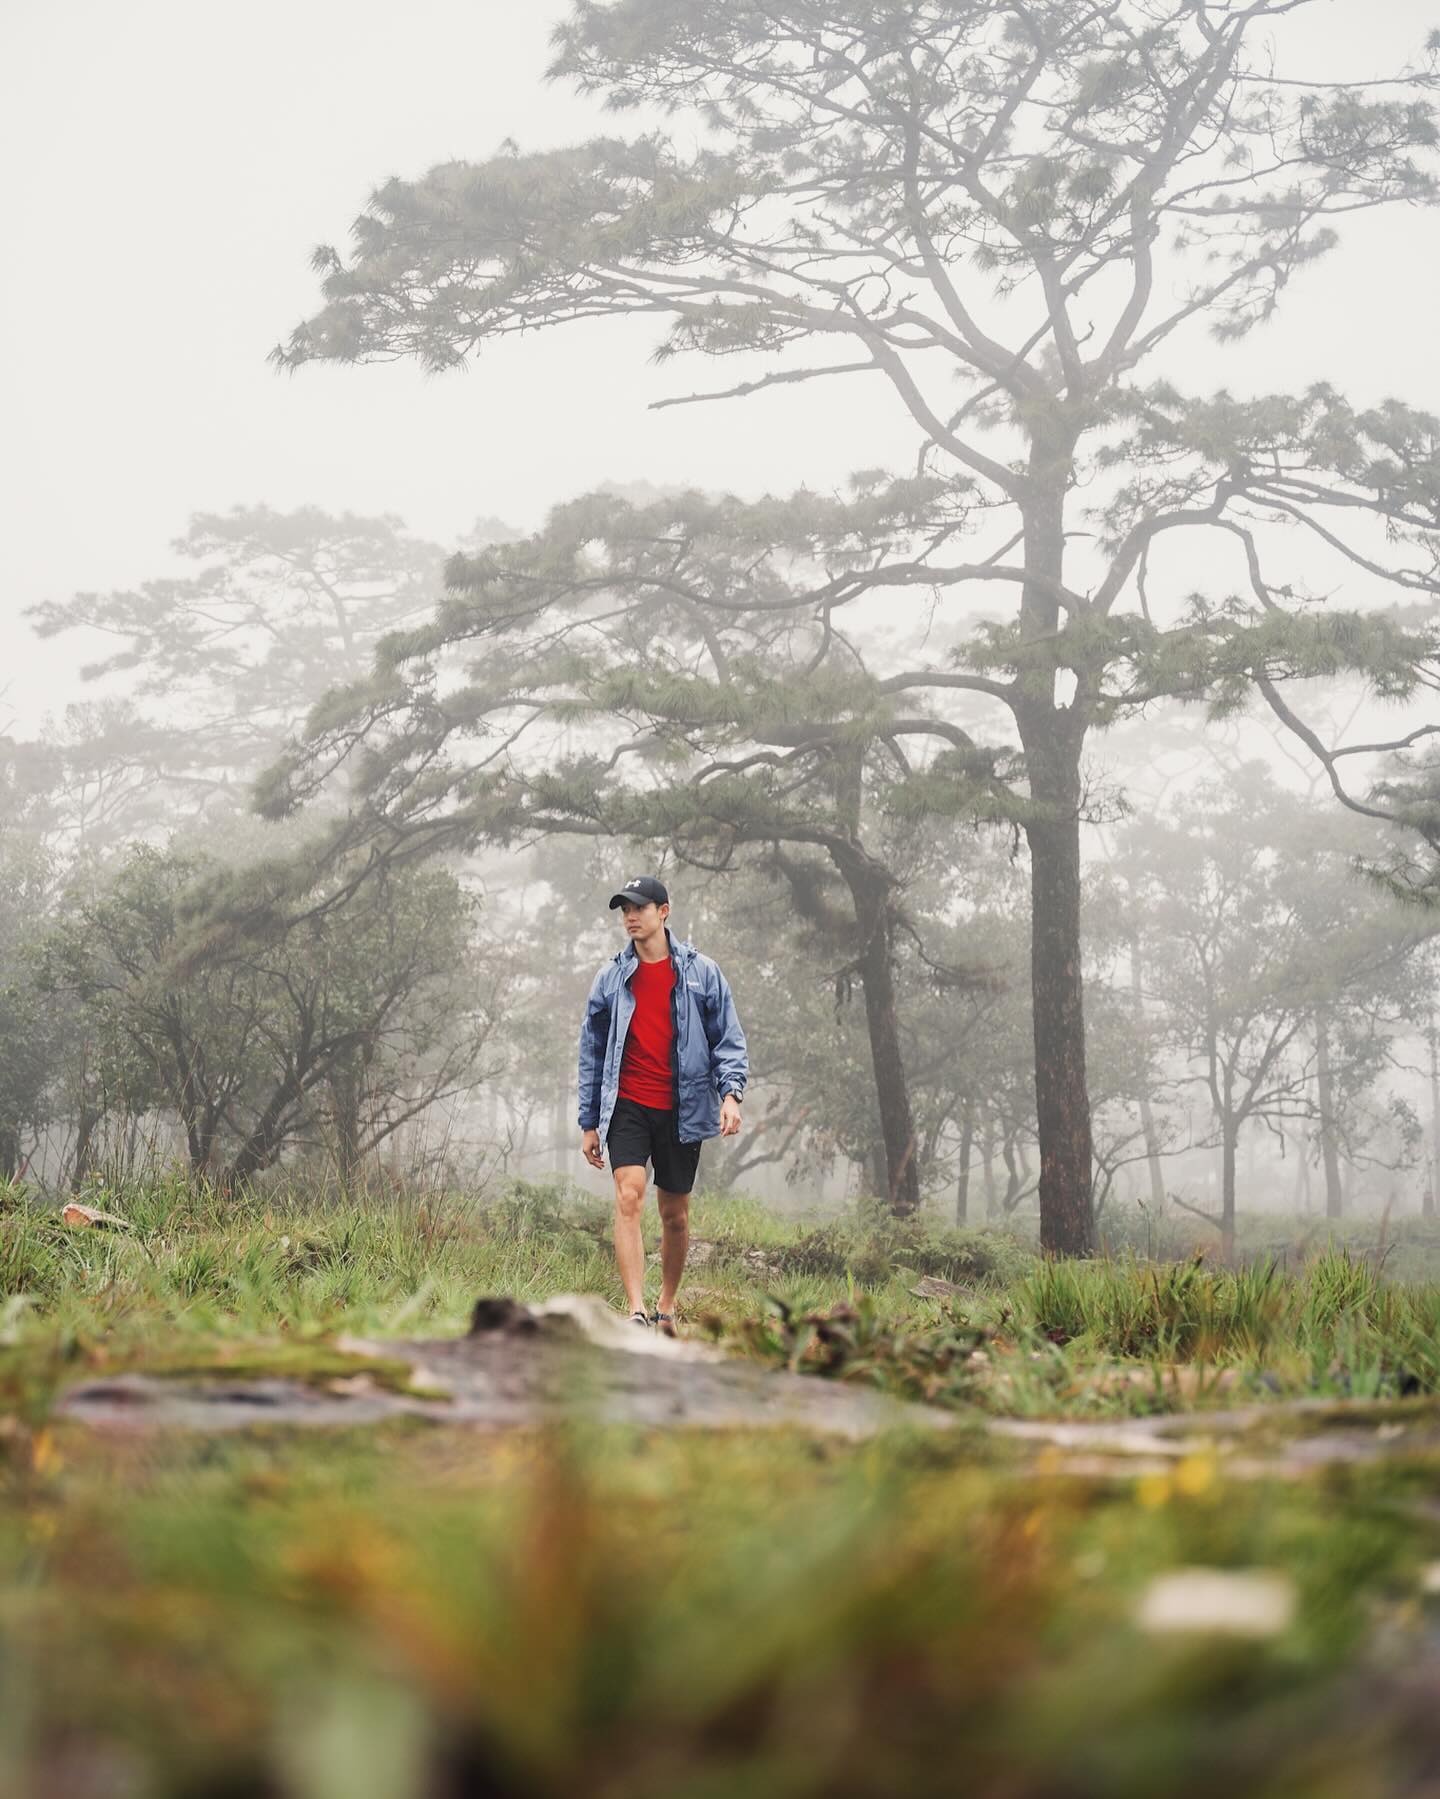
917 1309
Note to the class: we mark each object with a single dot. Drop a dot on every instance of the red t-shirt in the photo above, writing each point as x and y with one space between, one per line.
647 1074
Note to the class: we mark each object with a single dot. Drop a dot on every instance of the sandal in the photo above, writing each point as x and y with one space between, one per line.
664 1322
639 1317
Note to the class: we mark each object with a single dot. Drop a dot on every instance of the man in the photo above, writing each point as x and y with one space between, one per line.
662 1067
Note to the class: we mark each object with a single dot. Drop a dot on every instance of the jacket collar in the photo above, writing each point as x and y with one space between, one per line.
681 954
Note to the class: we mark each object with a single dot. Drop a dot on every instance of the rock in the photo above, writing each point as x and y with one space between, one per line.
499 1314
573 1357
83 1217
590 1317
932 1286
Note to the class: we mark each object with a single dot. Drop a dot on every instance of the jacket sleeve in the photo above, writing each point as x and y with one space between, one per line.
729 1058
594 1041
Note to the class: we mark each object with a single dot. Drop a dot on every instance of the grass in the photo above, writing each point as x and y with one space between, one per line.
201 1276
1335 1326
390 1615
417 1612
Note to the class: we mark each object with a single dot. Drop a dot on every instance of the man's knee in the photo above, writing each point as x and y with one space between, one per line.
674 1210
629 1192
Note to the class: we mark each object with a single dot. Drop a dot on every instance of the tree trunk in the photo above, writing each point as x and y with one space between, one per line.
1152 1154
1230 1138
186 1084
1052 735
1147 1113
1017 1174
9 1153
344 1084
1325 1094
85 1128
870 891
1300 1198
1012 1176
987 1167
892 1091
967 1144
1062 1104
263 1144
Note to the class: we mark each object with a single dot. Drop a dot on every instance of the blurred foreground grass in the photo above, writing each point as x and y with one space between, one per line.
413 1612
425 1613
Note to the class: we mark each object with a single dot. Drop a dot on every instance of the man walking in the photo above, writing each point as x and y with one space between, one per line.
662 1067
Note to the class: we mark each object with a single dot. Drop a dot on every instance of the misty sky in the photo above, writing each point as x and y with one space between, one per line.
172 166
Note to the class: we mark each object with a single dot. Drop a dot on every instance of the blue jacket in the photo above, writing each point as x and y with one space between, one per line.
710 1057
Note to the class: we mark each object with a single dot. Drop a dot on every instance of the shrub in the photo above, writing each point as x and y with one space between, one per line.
876 1246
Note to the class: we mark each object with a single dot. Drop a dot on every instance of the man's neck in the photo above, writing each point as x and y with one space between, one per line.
653 949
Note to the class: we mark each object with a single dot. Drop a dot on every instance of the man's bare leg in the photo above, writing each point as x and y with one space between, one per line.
674 1244
629 1244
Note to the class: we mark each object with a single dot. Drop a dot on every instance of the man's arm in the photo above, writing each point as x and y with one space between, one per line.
729 1057
594 1040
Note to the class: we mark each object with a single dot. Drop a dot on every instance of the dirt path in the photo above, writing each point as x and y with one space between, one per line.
572 1357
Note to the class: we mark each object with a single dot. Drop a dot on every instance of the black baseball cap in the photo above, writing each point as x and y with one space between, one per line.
640 890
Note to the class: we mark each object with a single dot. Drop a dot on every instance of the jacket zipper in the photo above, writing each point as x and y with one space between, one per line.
675 1036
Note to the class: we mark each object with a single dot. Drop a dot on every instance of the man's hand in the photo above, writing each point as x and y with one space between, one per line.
730 1116
590 1149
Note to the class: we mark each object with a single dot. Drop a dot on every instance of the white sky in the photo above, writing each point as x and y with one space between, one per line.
171 166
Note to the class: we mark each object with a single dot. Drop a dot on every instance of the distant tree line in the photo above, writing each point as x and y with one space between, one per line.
132 1022
165 990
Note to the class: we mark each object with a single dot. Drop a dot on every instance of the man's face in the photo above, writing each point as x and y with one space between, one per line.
642 921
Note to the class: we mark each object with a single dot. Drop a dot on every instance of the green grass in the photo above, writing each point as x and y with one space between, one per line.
1334 1326
416 1611
199 1273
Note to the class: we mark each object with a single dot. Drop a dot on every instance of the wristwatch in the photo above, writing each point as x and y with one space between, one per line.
737 1097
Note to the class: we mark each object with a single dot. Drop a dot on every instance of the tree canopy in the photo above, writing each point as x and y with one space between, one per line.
210 673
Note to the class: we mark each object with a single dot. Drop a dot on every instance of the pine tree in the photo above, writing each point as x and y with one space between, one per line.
1008 212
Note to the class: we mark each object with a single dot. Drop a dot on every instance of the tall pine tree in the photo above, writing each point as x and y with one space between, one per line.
1009 213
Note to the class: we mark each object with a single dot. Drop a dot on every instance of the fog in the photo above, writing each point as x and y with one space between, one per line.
176 167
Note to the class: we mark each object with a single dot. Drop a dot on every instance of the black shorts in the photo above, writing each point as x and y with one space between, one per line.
640 1134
